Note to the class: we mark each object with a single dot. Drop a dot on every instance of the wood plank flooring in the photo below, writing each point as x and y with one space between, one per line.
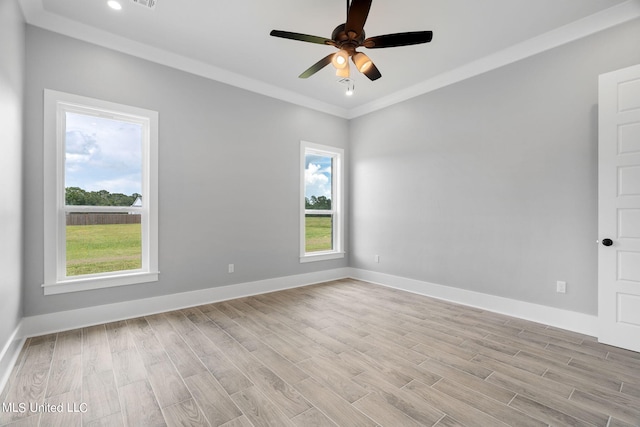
343 353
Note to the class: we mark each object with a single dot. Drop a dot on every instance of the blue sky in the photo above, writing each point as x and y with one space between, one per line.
317 176
103 154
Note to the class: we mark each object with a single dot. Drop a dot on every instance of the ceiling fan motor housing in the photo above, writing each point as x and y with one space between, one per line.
344 41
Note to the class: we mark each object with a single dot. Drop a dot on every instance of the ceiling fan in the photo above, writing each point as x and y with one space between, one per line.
348 37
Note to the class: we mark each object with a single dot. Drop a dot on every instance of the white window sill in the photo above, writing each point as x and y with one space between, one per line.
92 283
321 256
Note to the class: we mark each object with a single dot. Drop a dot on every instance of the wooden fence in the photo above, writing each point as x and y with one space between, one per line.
102 218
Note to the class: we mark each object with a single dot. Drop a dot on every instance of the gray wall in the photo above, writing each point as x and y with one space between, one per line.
490 184
12 48
229 174
487 185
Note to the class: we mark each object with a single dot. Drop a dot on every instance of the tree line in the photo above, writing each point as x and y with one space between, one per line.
314 202
76 196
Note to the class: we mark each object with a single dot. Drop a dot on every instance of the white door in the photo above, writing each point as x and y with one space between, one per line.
619 209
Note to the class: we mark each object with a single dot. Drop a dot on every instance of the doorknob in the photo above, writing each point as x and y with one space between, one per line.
607 242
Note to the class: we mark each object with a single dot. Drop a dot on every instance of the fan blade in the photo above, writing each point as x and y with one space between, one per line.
317 66
399 39
357 16
372 72
302 37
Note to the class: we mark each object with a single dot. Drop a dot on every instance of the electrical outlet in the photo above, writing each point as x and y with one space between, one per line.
231 268
561 287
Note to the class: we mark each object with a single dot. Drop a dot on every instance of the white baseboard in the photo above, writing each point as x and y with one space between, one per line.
570 320
66 320
72 319
83 317
9 356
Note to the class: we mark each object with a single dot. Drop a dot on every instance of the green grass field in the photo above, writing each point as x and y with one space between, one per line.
318 233
103 248
118 247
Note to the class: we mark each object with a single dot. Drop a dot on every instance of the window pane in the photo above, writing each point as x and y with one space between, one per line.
318 233
318 176
103 161
103 243
103 167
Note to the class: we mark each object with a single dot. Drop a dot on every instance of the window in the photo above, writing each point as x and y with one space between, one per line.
321 219
100 189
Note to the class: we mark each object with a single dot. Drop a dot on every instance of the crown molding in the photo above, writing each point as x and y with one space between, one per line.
576 30
35 15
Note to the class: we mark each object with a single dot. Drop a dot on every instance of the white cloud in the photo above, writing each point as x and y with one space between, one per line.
317 181
103 154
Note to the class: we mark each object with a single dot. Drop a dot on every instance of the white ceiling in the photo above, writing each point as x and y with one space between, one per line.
229 40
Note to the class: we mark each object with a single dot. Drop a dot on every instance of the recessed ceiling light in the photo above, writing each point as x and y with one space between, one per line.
113 4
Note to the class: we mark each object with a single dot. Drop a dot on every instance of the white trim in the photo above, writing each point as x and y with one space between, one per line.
9 356
337 200
55 278
36 15
83 317
101 281
66 320
321 256
72 319
564 319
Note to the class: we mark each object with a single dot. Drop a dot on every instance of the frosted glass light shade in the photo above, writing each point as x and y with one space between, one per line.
340 60
362 61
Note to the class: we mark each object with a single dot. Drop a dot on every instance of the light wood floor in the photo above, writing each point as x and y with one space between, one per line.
344 353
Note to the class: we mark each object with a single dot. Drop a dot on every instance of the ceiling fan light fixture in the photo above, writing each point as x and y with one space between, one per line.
350 36
362 62
340 60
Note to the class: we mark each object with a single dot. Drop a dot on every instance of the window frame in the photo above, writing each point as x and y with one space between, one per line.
56 104
337 195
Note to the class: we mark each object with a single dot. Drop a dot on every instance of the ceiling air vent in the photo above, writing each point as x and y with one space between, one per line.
150 4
